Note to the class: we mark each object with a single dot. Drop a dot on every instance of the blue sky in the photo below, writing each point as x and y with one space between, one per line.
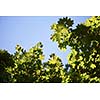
29 30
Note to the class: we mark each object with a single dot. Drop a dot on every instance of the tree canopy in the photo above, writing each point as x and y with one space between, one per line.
84 40
83 61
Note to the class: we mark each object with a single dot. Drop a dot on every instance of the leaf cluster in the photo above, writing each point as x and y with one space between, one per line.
84 40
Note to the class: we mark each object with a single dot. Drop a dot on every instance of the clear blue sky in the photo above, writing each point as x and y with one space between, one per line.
29 30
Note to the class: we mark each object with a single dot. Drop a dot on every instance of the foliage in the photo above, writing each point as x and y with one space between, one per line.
83 61
84 40
54 70
28 66
6 62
